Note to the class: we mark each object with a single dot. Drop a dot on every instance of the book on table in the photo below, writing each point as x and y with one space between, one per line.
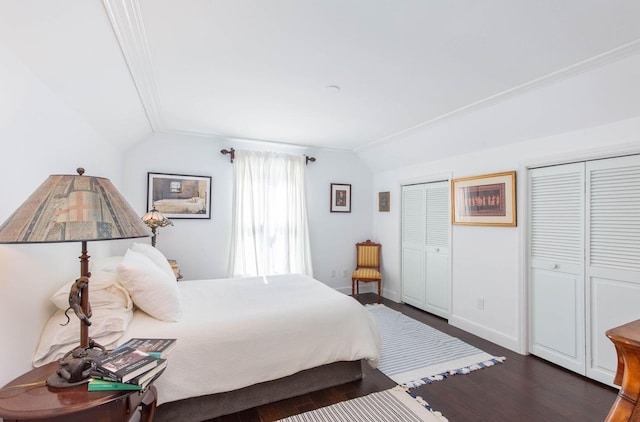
141 379
141 382
99 384
158 347
144 378
125 364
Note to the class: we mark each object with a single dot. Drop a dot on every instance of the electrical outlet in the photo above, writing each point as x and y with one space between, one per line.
480 303
345 274
333 273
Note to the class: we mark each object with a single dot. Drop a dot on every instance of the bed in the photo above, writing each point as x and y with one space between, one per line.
241 342
181 206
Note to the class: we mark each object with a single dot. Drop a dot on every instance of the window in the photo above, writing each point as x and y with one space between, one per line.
270 231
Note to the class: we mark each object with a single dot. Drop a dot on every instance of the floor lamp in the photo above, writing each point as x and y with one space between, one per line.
74 208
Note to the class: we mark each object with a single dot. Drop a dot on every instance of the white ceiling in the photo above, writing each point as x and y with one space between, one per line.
259 69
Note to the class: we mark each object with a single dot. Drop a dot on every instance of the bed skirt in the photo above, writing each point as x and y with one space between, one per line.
201 408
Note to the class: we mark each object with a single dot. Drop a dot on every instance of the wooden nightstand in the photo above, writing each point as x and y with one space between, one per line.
626 339
27 398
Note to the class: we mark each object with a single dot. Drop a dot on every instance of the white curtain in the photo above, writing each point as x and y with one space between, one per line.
270 234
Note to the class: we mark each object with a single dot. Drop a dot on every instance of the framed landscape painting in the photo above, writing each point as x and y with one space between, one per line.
179 195
488 200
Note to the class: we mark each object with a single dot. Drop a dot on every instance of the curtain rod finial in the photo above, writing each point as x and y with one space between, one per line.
230 151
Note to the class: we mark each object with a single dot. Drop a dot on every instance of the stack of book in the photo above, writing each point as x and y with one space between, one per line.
132 366
175 268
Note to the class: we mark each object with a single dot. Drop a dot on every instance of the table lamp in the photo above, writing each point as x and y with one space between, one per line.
74 208
155 219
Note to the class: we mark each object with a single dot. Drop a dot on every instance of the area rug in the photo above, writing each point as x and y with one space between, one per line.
414 353
396 404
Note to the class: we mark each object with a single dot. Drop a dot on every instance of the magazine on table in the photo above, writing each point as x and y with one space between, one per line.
141 382
125 364
158 347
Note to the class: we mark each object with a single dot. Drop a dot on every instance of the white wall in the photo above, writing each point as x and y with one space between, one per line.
201 247
40 135
589 97
488 262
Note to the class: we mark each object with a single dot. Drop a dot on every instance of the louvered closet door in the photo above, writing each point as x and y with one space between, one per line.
425 247
413 253
613 256
437 249
556 274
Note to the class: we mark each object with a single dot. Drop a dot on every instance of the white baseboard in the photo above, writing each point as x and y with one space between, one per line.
345 290
373 288
493 336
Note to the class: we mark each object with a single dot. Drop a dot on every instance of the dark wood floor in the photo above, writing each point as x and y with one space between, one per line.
523 388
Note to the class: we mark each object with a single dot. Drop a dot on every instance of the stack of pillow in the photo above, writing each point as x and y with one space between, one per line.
151 282
142 278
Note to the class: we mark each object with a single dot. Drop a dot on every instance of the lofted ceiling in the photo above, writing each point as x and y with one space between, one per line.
346 74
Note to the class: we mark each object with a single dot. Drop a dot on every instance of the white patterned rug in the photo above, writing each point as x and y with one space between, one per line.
414 353
395 404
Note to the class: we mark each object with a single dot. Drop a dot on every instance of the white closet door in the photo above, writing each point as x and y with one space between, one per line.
425 247
613 256
413 254
556 278
437 220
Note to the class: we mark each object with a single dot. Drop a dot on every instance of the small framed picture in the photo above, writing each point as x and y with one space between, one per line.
487 200
179 195
383 201
340 197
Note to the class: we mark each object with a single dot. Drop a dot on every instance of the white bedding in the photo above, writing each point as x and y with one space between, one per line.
180 206
239 332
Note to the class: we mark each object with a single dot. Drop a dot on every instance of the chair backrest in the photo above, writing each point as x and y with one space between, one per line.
368 254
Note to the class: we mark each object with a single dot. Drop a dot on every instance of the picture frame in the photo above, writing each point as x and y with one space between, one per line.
179 195
383 201
340 199
487 200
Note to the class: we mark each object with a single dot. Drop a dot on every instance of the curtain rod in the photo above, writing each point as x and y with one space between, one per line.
232 153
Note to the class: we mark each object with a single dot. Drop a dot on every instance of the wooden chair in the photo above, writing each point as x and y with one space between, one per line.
367 267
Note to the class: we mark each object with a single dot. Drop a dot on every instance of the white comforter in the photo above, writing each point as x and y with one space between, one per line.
239 332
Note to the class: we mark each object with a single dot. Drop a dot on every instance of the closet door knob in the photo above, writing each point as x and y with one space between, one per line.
553 266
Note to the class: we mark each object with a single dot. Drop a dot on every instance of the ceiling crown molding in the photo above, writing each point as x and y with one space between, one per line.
602 59
126 20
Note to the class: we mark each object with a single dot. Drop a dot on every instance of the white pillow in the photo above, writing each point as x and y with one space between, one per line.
155 256
112 297
107 326
151 289
105 291
107 264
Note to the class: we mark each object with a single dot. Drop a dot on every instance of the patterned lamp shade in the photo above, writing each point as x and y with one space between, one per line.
73 208
154 219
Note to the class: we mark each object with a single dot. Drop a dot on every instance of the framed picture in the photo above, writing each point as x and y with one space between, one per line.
179 195
383 201
488 200
340 197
